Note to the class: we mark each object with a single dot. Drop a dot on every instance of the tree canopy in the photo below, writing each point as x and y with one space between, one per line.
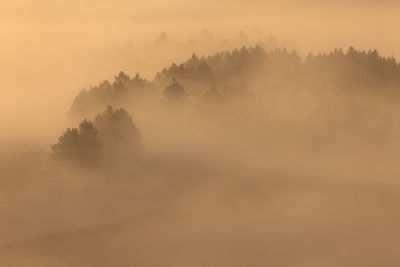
112 136
80 145
175 92
241 70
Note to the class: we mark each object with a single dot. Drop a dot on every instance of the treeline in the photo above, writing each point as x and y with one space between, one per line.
244 71
248 72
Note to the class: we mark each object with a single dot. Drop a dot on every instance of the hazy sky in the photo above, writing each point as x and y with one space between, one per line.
59 10
51 49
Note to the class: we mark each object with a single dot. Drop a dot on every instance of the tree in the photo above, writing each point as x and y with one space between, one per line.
175 92
111 138
121 83
80 145
120 137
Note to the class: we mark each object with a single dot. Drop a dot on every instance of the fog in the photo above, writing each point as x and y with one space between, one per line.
43 42
199 133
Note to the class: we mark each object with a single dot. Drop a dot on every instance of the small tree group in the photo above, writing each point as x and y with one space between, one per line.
80 144
112 136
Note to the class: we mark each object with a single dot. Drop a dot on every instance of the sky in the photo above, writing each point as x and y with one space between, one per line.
51 49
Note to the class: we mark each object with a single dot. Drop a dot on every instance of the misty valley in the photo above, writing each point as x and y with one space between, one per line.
252 156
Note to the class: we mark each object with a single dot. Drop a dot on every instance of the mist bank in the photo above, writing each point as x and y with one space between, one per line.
53 49
219 152
188 212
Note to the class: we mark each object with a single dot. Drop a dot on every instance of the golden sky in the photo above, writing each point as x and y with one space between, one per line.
53 48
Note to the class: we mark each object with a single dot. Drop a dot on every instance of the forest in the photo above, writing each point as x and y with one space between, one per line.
199 133
333 97
247 71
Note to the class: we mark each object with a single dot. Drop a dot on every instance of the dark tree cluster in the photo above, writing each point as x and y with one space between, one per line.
81 145
355 69
121 139
194 73
175 92
222 70
239 71
112 136
124 90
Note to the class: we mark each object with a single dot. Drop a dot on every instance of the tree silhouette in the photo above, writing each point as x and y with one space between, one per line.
175 92
123 90
120 137
80 145
111 138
